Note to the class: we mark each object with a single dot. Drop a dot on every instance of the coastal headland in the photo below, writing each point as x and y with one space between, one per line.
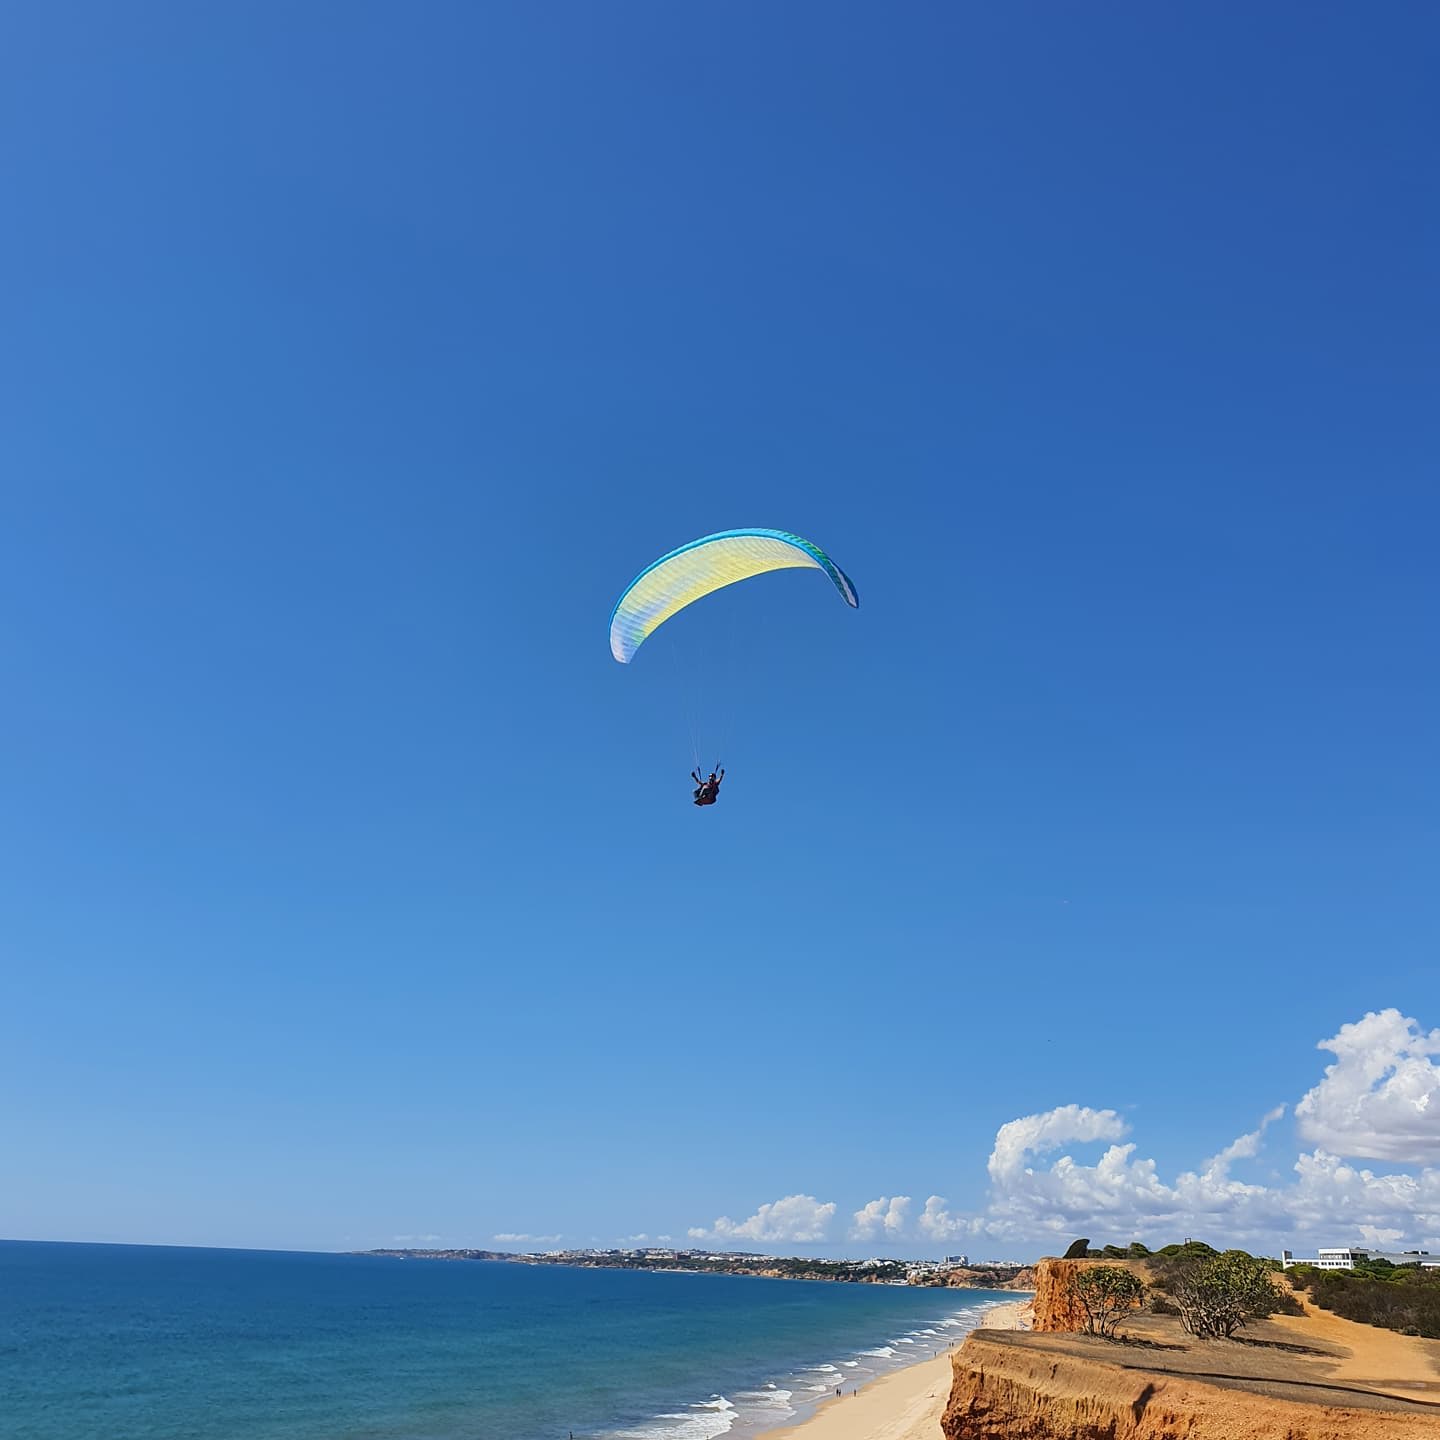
1030 1374
993 1276
1307 1376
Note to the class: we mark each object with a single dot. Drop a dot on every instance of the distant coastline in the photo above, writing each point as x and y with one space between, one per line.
996 1275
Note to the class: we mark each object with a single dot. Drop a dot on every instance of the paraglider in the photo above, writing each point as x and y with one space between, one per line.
707 792
661 590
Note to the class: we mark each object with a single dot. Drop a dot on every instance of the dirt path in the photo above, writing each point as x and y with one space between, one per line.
1377 1359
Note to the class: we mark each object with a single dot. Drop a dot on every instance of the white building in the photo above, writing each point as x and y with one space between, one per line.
1346 1257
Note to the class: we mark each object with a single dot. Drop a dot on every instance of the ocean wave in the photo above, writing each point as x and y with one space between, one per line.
822 1369
706 1420
850 1364
882 1352
818 1389
903 1340
770 1398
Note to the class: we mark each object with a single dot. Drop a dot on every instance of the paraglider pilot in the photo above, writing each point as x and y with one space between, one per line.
707 791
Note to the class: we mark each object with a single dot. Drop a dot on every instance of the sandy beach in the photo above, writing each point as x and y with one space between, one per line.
906 1405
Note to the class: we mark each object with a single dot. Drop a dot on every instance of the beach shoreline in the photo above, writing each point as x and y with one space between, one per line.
907 1403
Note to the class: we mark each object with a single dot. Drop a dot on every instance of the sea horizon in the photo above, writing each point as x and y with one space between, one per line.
442 1252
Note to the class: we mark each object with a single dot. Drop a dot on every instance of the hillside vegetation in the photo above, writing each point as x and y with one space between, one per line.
1396 1297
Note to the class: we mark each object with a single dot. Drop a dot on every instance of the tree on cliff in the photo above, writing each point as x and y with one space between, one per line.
1219 1295
1108 1293
1078 1251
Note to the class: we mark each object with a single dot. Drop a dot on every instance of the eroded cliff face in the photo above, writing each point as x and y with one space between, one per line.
1057 1301
1004 1390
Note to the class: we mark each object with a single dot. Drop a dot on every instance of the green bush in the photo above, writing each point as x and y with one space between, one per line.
1403 1298
1220 1294
1107 1292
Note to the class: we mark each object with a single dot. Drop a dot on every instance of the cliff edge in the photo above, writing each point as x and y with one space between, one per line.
1295 1378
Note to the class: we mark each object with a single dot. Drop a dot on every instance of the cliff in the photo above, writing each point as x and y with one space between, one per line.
1057 1301
1295 1378
1012 1386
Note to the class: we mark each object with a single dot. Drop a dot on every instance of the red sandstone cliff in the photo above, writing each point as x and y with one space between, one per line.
1285 1385
1057 1301
1005 1390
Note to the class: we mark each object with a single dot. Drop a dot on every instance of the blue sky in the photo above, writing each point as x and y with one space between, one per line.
354 359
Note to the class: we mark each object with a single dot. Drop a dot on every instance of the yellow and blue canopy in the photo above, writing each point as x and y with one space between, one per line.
704 565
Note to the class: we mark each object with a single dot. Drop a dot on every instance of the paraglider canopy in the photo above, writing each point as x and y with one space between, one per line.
705 565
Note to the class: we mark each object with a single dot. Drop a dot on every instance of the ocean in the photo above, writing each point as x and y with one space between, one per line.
120 1342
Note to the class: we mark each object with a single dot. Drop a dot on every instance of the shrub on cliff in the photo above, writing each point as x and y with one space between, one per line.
1190 1250
1219 1295
1407 1299
1107 1294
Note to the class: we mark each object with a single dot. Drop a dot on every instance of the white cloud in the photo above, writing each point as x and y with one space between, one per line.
797 1218
1039 1134
937 1223
1380 1100
1217 1167
882 1218
511 1237
1378 1239
1331 1191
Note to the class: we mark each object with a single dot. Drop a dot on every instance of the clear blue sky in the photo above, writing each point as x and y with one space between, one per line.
352 359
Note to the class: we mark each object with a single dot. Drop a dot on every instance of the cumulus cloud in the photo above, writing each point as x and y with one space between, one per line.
884 1218
512 1237
1246 1147
936 1223
1380 1100
796 1218
1378 1239
1016 1141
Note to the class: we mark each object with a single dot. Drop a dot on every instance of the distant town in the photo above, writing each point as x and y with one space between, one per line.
951 1270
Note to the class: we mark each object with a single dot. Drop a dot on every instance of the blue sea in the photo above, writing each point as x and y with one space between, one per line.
121 1342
